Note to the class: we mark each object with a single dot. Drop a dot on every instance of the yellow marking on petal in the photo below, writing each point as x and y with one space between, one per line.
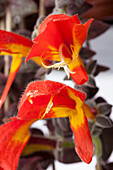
17 48
61 111
77 100
16 62
5 53
55 56
89 114
49 106
22 133
77 118
29 99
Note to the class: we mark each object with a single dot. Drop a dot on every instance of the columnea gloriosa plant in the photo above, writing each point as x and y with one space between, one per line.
78 122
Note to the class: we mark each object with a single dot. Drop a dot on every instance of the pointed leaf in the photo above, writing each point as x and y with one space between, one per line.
96 131
108 166
104 108
99 69
68 156
97 28
103 121
91 66
107 143
78 7
89 90
91 82
86 53
100 100
63 124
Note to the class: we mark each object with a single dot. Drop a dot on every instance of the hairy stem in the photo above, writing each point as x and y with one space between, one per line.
98 151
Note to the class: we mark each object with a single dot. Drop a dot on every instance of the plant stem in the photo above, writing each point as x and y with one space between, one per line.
98 151
6 58
53 165
41 8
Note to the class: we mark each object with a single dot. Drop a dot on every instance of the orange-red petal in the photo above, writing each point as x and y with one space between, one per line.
38 95
83 141
13 138
14 43
16 62
52 34
80 76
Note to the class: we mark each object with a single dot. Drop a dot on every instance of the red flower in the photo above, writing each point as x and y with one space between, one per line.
41 100
17 46
60 39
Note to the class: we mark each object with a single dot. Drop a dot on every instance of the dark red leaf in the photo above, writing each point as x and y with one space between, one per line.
107 143
86 53
99 69
96 29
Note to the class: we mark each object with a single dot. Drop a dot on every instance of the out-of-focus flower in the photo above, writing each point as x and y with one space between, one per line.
42 100
17 46
60 39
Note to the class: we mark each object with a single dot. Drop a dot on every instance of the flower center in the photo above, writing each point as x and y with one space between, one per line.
63 63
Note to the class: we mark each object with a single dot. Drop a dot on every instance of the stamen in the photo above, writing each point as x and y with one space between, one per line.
68 71
49 106
56 65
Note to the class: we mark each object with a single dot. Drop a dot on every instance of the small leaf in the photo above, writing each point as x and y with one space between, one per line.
99 100
104 108
78 8
97 28
96 131
91 67
103 121
99 69
91 82
107 143
63 124
108 166
86 53
89 90
68 156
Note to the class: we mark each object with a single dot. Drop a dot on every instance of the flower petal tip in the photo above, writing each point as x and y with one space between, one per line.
85 157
